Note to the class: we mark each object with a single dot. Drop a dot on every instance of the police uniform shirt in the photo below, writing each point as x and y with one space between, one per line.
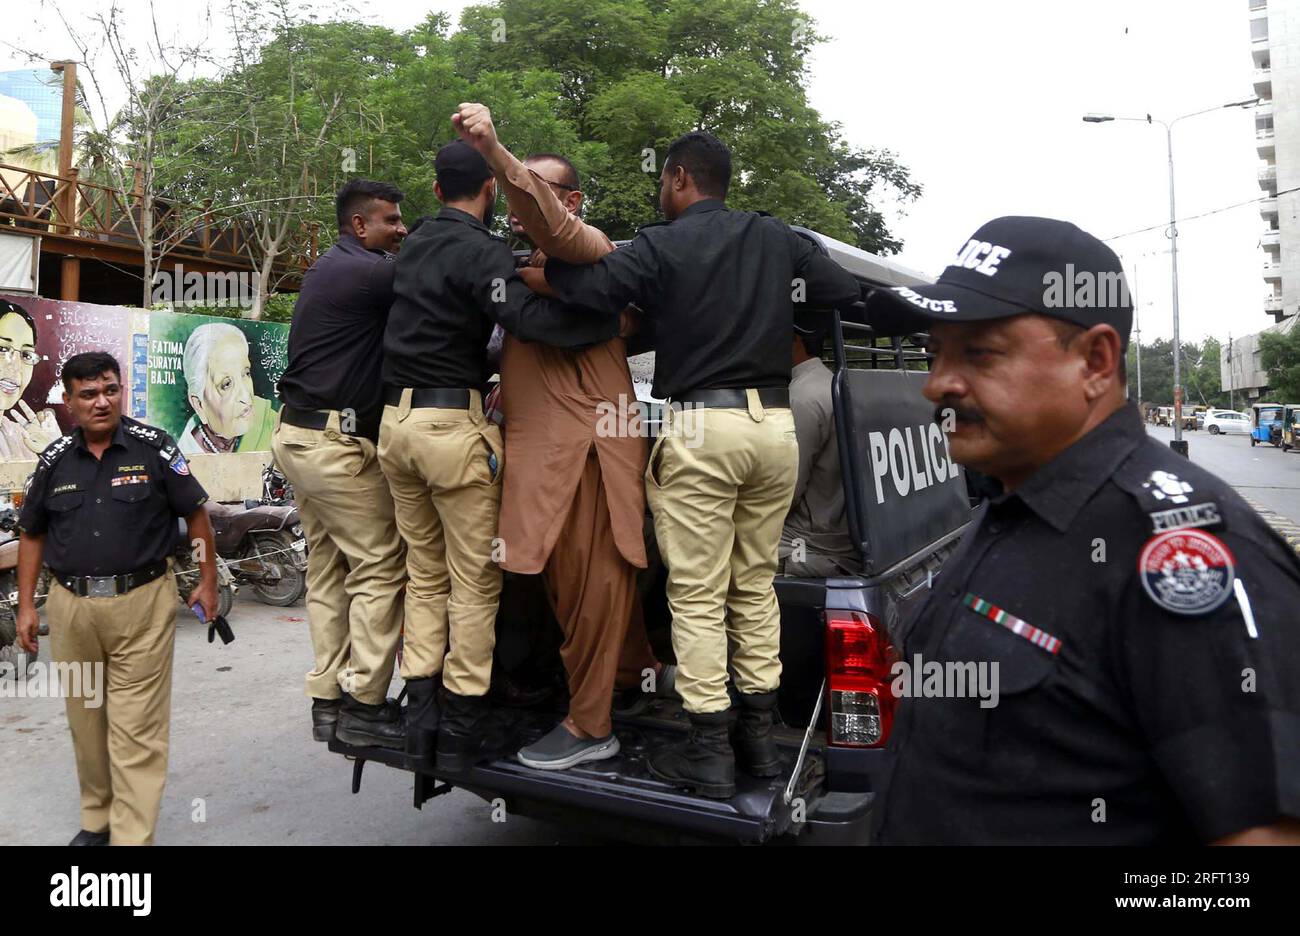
1135 705
336 339
719 288
114 514
454 280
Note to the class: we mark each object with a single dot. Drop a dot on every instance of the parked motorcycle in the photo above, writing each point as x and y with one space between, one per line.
9 649
276 489
185 571
264 547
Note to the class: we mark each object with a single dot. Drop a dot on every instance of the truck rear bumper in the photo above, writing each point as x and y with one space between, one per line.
840 819
622 789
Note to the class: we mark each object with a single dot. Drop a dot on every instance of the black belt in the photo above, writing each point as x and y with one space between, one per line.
429 397
319 419
770 397
110 586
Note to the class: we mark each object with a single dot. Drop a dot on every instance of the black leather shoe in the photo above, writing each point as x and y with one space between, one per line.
704 762
363 725
324 716
90 838
470 733
751 737
422 717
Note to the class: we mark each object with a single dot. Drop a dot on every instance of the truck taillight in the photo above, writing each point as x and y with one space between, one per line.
858 661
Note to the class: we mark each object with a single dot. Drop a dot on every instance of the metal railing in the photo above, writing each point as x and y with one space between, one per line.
68 206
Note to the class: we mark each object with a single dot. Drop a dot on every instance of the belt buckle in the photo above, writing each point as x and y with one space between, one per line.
101 586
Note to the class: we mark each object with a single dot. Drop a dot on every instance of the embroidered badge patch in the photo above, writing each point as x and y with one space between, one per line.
1039 638
1165 485
180 465
1187 571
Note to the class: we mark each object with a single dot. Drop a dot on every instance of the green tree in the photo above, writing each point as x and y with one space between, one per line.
634 74
1200 373
1279 355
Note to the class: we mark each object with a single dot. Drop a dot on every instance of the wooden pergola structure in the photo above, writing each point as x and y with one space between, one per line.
77 220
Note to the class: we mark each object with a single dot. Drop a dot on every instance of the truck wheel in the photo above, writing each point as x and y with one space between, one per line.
277 547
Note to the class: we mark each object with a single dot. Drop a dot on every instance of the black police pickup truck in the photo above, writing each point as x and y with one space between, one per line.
907 505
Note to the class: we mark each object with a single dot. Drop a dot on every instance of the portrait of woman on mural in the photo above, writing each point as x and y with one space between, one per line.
228 416
24 433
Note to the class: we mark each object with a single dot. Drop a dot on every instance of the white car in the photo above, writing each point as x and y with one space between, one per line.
1227 422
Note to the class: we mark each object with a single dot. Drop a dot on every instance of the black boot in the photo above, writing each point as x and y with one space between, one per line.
90 838
422 717
752 735
703 762
469 733
324 716
382 725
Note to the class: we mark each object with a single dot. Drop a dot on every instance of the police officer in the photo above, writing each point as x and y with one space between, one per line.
1128 621
444 459
325 442
101 513
719 288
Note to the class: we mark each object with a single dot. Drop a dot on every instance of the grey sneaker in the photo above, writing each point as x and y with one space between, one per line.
628 703
560 750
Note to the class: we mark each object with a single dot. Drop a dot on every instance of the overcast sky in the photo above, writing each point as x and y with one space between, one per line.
983 102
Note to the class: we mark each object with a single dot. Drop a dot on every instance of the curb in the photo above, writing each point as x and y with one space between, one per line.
1288 529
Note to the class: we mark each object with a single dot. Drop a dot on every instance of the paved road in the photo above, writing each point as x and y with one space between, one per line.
241 743
1267 476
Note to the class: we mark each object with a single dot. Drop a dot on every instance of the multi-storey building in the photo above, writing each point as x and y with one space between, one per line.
1275 48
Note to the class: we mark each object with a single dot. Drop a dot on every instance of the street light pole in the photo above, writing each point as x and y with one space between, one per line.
1178 444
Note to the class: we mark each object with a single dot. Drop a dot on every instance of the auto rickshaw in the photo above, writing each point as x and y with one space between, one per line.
1291 428
1266 423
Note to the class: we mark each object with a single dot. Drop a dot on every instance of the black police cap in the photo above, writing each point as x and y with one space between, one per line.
1013 266
458 160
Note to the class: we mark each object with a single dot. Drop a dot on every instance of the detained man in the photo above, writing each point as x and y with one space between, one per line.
815 541
568 480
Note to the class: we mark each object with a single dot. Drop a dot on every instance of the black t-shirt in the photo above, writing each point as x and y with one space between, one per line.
719 288
1135 705
114 514
336 340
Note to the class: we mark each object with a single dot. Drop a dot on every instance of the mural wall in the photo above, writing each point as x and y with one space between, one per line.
208 381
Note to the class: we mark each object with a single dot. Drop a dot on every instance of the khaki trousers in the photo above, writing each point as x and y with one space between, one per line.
355 560
720 482
448 498
592 589
121 743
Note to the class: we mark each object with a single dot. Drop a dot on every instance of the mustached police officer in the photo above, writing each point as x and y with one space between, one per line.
444 459
101 512
1139 616
720 288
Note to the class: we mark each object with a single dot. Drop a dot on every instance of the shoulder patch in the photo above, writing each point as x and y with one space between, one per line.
1169 500
155 437
55 450
1187 571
